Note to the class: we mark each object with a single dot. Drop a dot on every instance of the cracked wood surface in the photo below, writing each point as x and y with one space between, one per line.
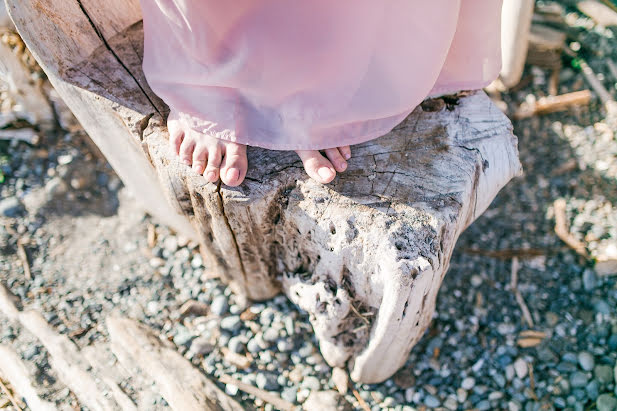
364 255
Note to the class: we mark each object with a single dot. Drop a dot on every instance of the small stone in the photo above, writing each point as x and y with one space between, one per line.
231 323
231 389
236 344
514 406
520 367
404 378
602 307
271 335
284 345
323 401
461 395
431 401
201 346
612 342
340 380
289 394
593 389
266 382
606 402
586 361
451 403
578 379
483 405
476 280
311 383
55 188
219 305
603 373
468 383
30 352
589 280
182 337
11 207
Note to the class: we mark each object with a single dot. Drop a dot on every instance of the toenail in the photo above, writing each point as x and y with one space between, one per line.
187 162
233 174
210 175
347 156
342 165
325 173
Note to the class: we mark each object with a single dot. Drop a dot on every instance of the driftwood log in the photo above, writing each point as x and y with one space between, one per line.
364 255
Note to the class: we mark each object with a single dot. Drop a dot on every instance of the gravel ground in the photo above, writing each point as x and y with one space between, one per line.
93 252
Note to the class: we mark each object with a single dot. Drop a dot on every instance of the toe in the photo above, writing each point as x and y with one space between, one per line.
234 164
186 150
215 156
317 166
336 159
199 158
345 152
176 134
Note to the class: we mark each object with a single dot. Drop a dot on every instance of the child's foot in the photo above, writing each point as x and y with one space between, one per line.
209 155
319 168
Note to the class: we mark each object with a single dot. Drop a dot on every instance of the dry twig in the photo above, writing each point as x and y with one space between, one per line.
517 293
562 230
266 396
23 257
361 401
10 396
553 104
507 254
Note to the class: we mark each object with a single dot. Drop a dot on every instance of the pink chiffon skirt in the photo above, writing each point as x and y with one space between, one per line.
300 75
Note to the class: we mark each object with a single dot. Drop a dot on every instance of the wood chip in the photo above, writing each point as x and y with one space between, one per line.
517 293
183 386
553 104
532 334
14 370
23 257
151 235
361 401
562 230
236 359
12 399
267 396
528 342
193 307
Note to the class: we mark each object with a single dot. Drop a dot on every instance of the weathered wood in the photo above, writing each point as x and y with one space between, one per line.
365 255
15 371
181 384
62 38
35 107
600 13
66 359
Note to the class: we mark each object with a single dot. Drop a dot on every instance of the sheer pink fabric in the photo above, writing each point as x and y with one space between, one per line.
316 74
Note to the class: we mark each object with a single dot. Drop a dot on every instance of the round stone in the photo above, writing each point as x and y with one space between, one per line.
606 402
603 373
231 323
431 401
468 383
520 367
578 379
586 361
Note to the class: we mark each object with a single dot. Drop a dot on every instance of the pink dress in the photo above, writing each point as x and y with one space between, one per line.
300 75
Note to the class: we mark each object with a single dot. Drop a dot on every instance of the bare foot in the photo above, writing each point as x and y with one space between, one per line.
209 155
324 169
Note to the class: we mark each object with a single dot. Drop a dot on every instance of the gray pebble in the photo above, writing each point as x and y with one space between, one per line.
231 323
266 382
606 402
602 307
236 344
586 361
271 335
589 280
468 383
578 379
603 373
289 394
182 337
431 401
30 352
219 305
483 405
11 207
311 383
593 389
201 346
